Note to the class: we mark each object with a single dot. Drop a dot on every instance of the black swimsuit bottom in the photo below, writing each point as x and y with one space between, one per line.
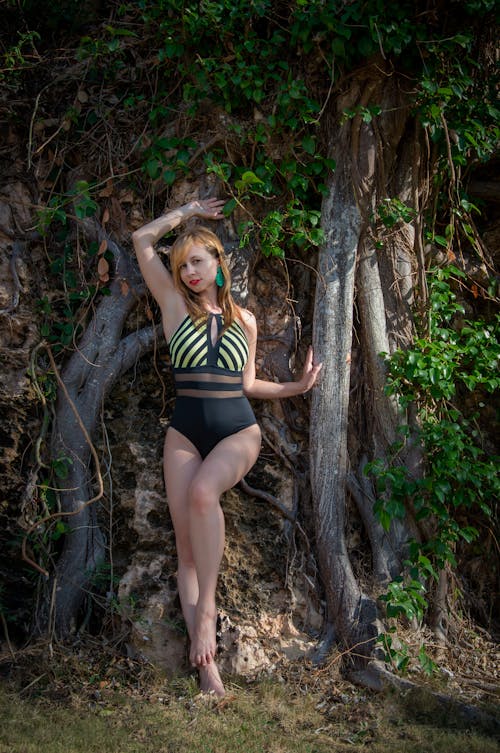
210 407
210 404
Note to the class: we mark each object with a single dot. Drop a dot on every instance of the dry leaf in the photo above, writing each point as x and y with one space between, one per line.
102 267
149 313
82 96
103 247
450 254
475 290
105 216
108 190
124 288
127 197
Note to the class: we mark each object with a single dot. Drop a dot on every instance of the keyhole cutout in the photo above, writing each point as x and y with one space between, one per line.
214 330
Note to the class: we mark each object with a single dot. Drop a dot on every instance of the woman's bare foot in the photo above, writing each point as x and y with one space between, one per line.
203 641
210 680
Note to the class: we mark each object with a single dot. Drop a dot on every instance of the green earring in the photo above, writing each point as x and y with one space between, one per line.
219 278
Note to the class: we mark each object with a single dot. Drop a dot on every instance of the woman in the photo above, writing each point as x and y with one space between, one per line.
213 439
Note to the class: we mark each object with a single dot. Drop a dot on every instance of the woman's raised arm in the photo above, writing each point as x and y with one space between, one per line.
157 277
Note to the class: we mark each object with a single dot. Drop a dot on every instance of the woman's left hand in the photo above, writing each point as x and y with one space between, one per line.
207 209
309 372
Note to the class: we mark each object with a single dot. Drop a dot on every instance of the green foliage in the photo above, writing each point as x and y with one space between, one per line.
455 96
365 113
392 211
61 466
62 319
246 60
84 204
261 70
16 58
395 653
168 158
457 103
292 226
458 354
79 198
405 598
460 481
107 54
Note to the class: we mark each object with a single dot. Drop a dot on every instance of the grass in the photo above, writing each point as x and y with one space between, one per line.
265 717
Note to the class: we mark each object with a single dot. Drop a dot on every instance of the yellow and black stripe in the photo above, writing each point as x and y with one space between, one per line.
191 346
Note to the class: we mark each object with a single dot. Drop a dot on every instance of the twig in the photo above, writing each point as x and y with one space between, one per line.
347 652
260 494
6 632
17 248
33 682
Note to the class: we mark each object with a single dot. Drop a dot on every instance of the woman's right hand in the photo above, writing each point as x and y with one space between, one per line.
208 209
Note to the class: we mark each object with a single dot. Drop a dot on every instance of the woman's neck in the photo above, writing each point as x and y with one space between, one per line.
210 303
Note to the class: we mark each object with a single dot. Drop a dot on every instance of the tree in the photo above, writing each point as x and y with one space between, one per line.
102 356
348 129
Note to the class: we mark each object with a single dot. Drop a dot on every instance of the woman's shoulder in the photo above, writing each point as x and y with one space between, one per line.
247 318
248 323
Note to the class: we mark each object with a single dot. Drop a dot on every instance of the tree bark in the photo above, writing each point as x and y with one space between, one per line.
101 358
353 273
352 611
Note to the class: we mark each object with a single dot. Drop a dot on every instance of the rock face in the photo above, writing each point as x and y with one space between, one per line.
262 621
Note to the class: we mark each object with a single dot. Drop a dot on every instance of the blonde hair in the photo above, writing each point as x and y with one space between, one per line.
178 253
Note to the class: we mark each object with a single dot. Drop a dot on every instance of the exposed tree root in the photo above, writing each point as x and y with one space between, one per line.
377 677
260 494
324 646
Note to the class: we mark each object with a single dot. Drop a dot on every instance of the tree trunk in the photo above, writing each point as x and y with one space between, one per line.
101 358
352 611
354 273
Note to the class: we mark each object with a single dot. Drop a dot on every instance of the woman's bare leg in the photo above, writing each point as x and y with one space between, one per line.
193 489
222 469
181 462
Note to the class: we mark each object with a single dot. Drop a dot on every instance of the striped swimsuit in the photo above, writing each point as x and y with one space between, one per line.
210 404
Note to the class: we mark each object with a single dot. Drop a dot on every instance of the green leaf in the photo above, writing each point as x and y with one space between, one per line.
230 207
153 167
169 176
249 178
309 144
441 241
61 467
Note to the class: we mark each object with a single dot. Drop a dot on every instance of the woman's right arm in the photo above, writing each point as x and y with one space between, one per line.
157 277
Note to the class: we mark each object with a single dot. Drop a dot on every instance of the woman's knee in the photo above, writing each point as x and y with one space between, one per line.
202 497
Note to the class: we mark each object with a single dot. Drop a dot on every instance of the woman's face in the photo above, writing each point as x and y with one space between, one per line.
198 269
